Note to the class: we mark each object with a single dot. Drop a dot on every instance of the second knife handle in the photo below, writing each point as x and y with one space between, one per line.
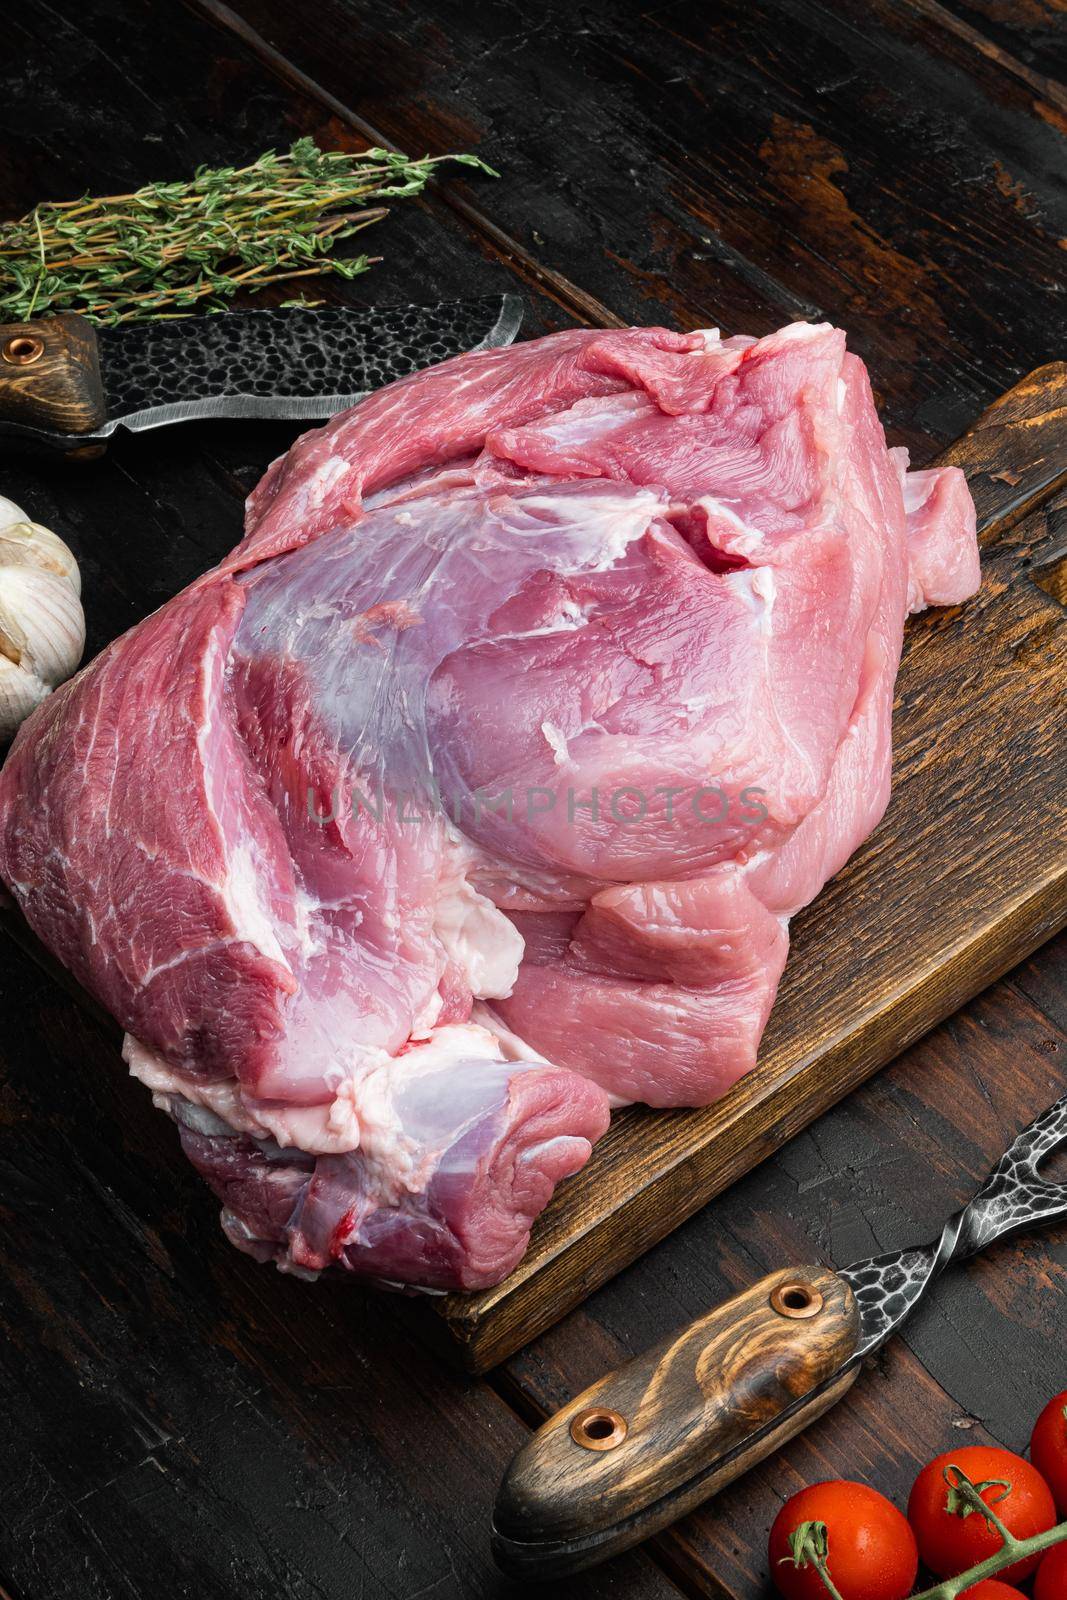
50 375
650 1441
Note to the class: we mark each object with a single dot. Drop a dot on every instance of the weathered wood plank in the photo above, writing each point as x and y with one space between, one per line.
549 284
1043 980
740 163
1027 37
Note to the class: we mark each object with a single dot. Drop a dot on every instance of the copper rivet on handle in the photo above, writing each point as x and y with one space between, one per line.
597 1428
23 349
796 1300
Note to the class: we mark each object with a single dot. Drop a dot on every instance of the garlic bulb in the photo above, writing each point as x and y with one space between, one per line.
42 626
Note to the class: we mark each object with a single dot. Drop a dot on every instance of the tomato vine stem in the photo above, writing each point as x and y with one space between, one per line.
810 1544
1011 1551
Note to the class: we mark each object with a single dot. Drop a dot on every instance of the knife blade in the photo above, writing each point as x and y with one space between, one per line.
652 1440
67 385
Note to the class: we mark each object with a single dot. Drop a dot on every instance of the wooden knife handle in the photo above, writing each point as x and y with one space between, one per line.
50 375
652 1440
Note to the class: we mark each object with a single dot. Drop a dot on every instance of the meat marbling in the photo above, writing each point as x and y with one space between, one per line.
473 793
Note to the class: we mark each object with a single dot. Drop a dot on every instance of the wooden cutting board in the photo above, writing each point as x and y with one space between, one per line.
965 876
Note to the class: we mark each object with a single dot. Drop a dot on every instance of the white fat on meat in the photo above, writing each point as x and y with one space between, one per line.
243 898
479 939
362 1115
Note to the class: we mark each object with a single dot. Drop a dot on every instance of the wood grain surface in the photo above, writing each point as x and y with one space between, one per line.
50 374
680 1420
182 1423
744 163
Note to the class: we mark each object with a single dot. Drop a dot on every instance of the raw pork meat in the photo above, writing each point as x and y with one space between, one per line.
472 794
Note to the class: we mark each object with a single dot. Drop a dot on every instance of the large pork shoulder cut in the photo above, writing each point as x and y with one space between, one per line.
473 793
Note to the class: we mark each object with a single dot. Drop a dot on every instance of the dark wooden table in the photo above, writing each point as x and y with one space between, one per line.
180 1422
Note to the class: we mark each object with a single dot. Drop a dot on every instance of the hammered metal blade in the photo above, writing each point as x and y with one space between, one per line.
1014 1197
285 364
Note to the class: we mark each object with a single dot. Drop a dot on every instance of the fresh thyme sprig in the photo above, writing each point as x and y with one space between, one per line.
171 248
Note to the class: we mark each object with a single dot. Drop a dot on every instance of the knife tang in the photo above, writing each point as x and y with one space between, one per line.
650 1441
50 378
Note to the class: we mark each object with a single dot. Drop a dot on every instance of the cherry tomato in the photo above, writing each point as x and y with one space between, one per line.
871 1550
992 1589
949 1543
1051 1580
1048 1450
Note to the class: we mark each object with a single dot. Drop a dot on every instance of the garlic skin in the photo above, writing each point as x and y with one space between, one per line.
42 625
27 544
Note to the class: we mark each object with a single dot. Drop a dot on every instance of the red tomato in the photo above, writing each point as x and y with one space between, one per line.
1048 1450
871 1550
949 1543
1051 1580
992 1589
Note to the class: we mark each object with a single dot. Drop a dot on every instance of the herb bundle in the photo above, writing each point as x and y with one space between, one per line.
171 248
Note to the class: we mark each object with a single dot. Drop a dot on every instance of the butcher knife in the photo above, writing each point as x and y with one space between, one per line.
647 1443
67 385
